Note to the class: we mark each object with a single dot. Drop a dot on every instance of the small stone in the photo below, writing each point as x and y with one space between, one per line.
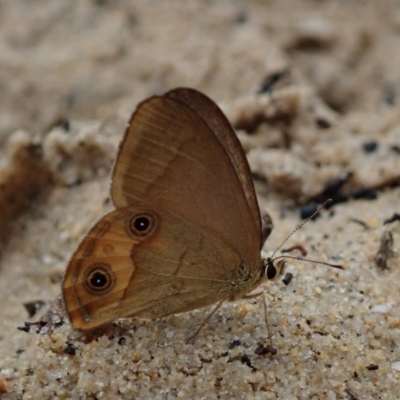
382 308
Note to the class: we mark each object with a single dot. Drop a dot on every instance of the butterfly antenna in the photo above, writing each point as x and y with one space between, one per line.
298 227
338 266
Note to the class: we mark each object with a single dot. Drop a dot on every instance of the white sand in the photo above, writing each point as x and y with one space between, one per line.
337 332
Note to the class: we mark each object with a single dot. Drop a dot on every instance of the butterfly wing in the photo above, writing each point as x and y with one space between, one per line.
181 163
119 270
171 159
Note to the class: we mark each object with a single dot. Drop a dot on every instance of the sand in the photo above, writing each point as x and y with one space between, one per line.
71 74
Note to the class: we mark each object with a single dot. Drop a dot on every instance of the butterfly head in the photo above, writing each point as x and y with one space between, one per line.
274 268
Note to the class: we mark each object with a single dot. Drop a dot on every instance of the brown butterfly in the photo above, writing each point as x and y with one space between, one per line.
187 230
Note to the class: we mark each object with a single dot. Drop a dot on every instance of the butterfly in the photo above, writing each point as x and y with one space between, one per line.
186 231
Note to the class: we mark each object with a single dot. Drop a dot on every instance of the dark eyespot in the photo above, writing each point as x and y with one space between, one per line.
141 224
99 279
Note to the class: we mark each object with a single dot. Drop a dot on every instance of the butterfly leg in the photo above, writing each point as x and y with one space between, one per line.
266 226
270 348
252 296
191 337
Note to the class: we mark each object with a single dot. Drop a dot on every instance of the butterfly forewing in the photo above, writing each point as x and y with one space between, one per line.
171 160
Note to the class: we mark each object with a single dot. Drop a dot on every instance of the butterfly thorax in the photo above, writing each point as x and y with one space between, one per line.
245 280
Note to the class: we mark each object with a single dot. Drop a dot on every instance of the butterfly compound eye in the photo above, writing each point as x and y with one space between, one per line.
99 279
141 225
273 270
